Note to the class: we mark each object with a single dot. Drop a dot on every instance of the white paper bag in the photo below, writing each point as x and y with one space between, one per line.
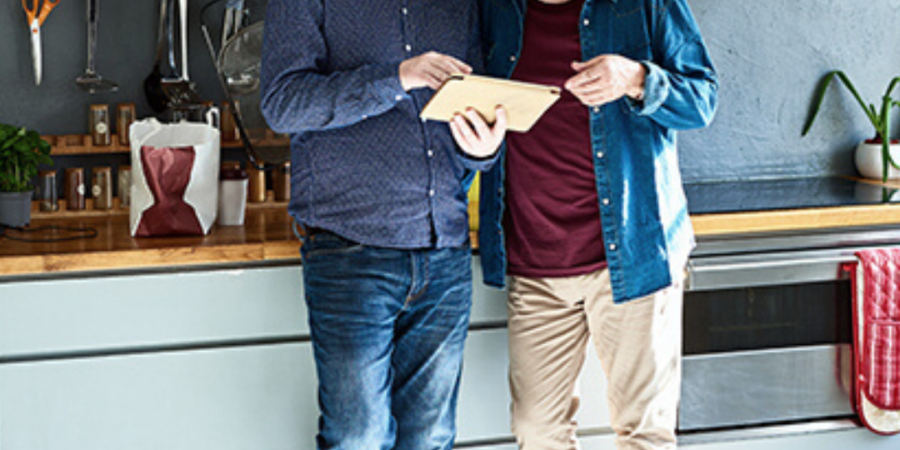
175 174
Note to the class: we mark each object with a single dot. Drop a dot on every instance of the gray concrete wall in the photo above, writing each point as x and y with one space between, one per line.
770 55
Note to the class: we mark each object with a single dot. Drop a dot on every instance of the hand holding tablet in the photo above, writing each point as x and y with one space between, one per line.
524 103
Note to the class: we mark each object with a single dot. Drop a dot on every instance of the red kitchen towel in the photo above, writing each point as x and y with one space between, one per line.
876 318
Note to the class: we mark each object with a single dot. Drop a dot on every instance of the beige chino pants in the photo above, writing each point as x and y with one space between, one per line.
639 345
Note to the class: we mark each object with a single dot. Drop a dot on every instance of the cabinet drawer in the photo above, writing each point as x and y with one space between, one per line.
238 399
145 311
59 316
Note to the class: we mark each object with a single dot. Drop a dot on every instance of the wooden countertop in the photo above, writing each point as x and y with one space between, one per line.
267 237
796 219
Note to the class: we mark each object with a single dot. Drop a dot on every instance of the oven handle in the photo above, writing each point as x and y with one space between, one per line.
767 269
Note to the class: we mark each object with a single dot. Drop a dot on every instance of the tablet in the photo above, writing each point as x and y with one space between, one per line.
524 102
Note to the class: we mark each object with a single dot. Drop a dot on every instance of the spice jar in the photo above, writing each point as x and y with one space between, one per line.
74 187
124 186
124 118
102 188
47 194
281 182
257 189
229 128
99 125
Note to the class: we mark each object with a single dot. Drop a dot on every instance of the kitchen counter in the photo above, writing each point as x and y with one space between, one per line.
267 237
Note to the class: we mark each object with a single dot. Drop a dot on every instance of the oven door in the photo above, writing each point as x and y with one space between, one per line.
766 339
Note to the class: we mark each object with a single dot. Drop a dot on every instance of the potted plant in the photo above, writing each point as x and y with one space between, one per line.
876 157
21 153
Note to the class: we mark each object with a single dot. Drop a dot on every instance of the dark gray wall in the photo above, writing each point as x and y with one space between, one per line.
128 31
770 55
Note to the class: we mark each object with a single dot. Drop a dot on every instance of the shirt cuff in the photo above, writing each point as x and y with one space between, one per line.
656 90
387 84
472 162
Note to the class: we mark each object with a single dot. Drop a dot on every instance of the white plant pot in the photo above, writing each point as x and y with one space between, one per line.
869 161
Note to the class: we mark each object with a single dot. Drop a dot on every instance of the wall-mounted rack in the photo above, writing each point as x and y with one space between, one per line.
80 144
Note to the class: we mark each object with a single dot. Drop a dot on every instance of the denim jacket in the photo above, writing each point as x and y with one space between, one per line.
643 211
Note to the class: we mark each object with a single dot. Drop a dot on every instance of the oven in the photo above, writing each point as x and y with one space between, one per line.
767 328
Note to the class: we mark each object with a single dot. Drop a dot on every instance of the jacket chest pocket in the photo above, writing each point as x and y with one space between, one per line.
630 30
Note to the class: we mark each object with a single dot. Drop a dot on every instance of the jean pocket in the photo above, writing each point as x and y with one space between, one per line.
325 243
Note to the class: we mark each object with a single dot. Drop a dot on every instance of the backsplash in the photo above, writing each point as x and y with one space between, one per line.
770 55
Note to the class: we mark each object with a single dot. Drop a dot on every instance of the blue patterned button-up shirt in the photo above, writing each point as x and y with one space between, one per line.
364 165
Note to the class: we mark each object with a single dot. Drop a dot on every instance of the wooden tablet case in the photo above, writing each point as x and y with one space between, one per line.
524 102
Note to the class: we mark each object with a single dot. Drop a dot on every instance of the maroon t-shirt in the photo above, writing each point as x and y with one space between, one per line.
553 217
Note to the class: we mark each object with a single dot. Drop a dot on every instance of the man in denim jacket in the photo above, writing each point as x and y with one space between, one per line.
586 212
382 198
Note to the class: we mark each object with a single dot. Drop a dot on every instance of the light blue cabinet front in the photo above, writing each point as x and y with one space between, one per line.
221 359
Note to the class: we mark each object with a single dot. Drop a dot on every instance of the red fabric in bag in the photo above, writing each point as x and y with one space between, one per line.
168 172
876 314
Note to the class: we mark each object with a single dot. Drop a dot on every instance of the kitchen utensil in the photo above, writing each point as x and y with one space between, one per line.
242 54
36 15
153 83
239 15
233 11
178 91
183 21
91 82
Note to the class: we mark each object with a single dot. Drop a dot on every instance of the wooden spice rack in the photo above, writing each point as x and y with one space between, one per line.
79 144
117 210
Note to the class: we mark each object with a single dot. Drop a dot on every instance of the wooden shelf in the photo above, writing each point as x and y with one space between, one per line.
117 210
80 144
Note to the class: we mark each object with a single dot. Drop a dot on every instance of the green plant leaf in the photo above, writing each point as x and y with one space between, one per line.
22 152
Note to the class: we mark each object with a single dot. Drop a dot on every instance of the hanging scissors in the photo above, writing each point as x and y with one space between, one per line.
36 17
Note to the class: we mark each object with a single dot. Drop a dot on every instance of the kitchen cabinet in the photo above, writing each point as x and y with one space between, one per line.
203 359
189 343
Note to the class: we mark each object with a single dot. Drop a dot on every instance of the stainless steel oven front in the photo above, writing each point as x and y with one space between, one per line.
767 328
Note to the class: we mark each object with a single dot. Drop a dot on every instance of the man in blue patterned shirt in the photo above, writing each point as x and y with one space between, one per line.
381 196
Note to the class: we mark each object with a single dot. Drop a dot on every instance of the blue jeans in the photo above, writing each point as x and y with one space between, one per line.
388 328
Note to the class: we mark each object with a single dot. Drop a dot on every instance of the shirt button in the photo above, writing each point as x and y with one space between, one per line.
512 58
599 154
612 247
596 109
587 22
365 117
606 201
405 11
431 153
431 193
408 48
398 97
